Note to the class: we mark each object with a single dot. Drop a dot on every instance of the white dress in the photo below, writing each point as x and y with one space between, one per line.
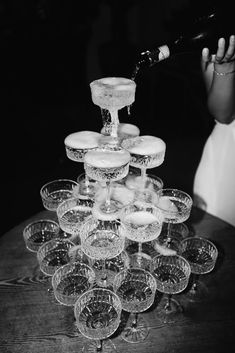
214 182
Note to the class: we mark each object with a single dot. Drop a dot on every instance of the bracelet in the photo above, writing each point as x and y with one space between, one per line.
223 73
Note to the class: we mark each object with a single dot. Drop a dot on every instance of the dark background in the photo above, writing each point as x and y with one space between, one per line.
51 50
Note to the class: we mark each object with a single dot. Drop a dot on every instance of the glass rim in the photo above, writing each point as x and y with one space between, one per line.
129 270
95 290
101 81
169 256
56 181
40 221
60 240
160 214
128 141
61 268
158 192
200 238
73 198
176 190
180 257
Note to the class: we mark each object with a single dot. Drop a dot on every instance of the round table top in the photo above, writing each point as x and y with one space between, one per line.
31 321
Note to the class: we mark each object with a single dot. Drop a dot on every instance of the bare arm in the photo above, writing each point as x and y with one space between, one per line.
219 74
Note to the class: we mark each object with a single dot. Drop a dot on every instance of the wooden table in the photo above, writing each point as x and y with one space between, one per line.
31 323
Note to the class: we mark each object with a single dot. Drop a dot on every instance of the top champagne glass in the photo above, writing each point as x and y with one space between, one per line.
112 94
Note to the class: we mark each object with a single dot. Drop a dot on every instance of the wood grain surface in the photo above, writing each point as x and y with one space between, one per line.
32 322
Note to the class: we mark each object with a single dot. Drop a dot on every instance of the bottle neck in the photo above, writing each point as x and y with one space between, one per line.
156 55
149 58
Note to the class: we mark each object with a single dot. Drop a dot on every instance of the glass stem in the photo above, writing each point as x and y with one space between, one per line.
168 235
106 119
87 181
134 321
103 270
139 260
143 178
195 283
114 123
168 303
108 196
98 346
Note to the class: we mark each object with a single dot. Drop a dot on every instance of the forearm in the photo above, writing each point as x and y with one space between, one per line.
221 97
219 74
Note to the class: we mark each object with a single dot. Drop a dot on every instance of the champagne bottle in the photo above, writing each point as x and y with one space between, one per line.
203 33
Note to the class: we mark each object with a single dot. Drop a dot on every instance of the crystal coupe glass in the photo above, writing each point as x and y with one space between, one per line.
107 165
172 275
39 232
142 223
102 241
53 255
72 213
201 254
176 207
72 280
112 94
97 313
77 145
56 191
146 152
136 289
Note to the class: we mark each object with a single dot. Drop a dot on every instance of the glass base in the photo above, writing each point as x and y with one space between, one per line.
91 347
136 334
169 314
197 293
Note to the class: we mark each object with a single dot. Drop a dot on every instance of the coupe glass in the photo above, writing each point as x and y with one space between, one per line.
97 313
146 152
112 94
107 165
136 289
77 145
39 232
176 207
56 191
71 214
53 255
102 240
142 223
172 275
72 280
201 254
